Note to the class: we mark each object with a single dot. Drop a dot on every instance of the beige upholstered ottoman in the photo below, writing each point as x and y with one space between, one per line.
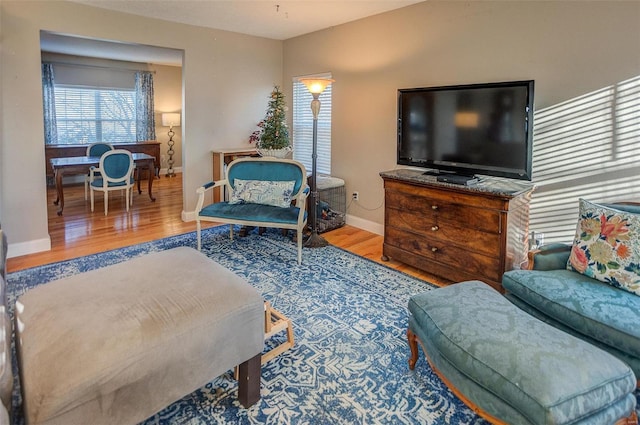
117 344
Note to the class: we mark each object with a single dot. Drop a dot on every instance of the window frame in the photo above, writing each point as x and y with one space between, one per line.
97 119
302 125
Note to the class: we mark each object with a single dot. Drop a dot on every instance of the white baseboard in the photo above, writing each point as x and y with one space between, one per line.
176 170
29 247
188 216
360 223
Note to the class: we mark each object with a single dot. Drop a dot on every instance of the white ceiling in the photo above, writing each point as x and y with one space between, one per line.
274 19
277 19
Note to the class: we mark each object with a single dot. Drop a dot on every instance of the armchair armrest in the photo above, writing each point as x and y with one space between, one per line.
93 170
549 257
301 202
204 189
303 194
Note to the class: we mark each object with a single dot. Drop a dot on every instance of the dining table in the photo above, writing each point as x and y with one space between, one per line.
82 165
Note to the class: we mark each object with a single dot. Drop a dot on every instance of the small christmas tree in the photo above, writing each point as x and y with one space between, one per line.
275 134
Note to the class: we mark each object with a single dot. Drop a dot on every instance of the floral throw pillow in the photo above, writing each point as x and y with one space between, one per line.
275 193
606 246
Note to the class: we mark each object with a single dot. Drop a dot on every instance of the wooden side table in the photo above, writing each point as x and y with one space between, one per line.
276 322
222 157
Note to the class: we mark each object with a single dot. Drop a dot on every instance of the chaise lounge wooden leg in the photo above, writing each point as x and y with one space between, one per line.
249 381
413 345
631 420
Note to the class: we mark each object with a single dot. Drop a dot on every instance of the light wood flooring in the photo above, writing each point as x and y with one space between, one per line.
79 232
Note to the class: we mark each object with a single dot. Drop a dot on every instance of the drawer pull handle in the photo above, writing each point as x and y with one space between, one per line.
434 228
434 249
434 207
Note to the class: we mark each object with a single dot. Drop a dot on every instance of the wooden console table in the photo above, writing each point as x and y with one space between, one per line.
222 157
456 232
150 147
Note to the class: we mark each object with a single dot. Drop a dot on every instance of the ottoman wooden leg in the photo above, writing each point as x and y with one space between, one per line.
249 381
413 346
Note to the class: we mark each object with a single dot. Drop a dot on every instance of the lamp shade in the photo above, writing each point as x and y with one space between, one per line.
171 120
316 85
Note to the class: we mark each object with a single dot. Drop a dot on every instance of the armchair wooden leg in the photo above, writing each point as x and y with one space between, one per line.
199 234
299 240
249 381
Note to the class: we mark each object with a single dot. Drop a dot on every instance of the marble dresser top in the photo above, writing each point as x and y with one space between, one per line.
485 184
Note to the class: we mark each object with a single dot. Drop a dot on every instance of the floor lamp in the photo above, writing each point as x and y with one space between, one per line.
315 86
170 120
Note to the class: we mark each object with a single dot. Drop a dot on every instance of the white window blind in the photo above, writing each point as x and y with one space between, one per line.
303 127
88 115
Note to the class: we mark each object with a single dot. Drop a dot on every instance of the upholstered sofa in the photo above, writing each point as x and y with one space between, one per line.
262 192
600 311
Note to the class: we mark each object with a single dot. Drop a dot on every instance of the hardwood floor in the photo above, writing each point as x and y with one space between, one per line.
79 232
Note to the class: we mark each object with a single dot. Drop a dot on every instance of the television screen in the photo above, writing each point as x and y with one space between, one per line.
480 128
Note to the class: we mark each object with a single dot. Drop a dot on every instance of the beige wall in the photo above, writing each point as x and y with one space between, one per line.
167 84
568 48
226 78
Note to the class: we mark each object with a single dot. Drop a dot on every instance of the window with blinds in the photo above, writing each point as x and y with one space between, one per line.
303 127
88 115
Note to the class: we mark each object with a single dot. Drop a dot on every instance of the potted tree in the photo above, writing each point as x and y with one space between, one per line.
273 135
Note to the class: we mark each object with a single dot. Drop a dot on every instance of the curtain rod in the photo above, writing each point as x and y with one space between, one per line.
82 65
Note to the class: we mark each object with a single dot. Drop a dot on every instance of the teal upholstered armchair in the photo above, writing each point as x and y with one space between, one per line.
114 173
263 192
95 149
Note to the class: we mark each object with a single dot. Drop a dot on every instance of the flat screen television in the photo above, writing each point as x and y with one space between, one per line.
468 129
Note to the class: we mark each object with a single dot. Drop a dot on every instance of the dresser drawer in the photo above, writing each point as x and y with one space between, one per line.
440 212
444 274
445 233
473 263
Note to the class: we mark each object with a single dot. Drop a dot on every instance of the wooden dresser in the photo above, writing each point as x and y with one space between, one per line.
454 232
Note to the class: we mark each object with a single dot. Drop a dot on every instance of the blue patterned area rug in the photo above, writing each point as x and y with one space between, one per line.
349 363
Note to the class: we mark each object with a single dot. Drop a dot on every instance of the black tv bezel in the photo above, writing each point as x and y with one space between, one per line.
472 169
